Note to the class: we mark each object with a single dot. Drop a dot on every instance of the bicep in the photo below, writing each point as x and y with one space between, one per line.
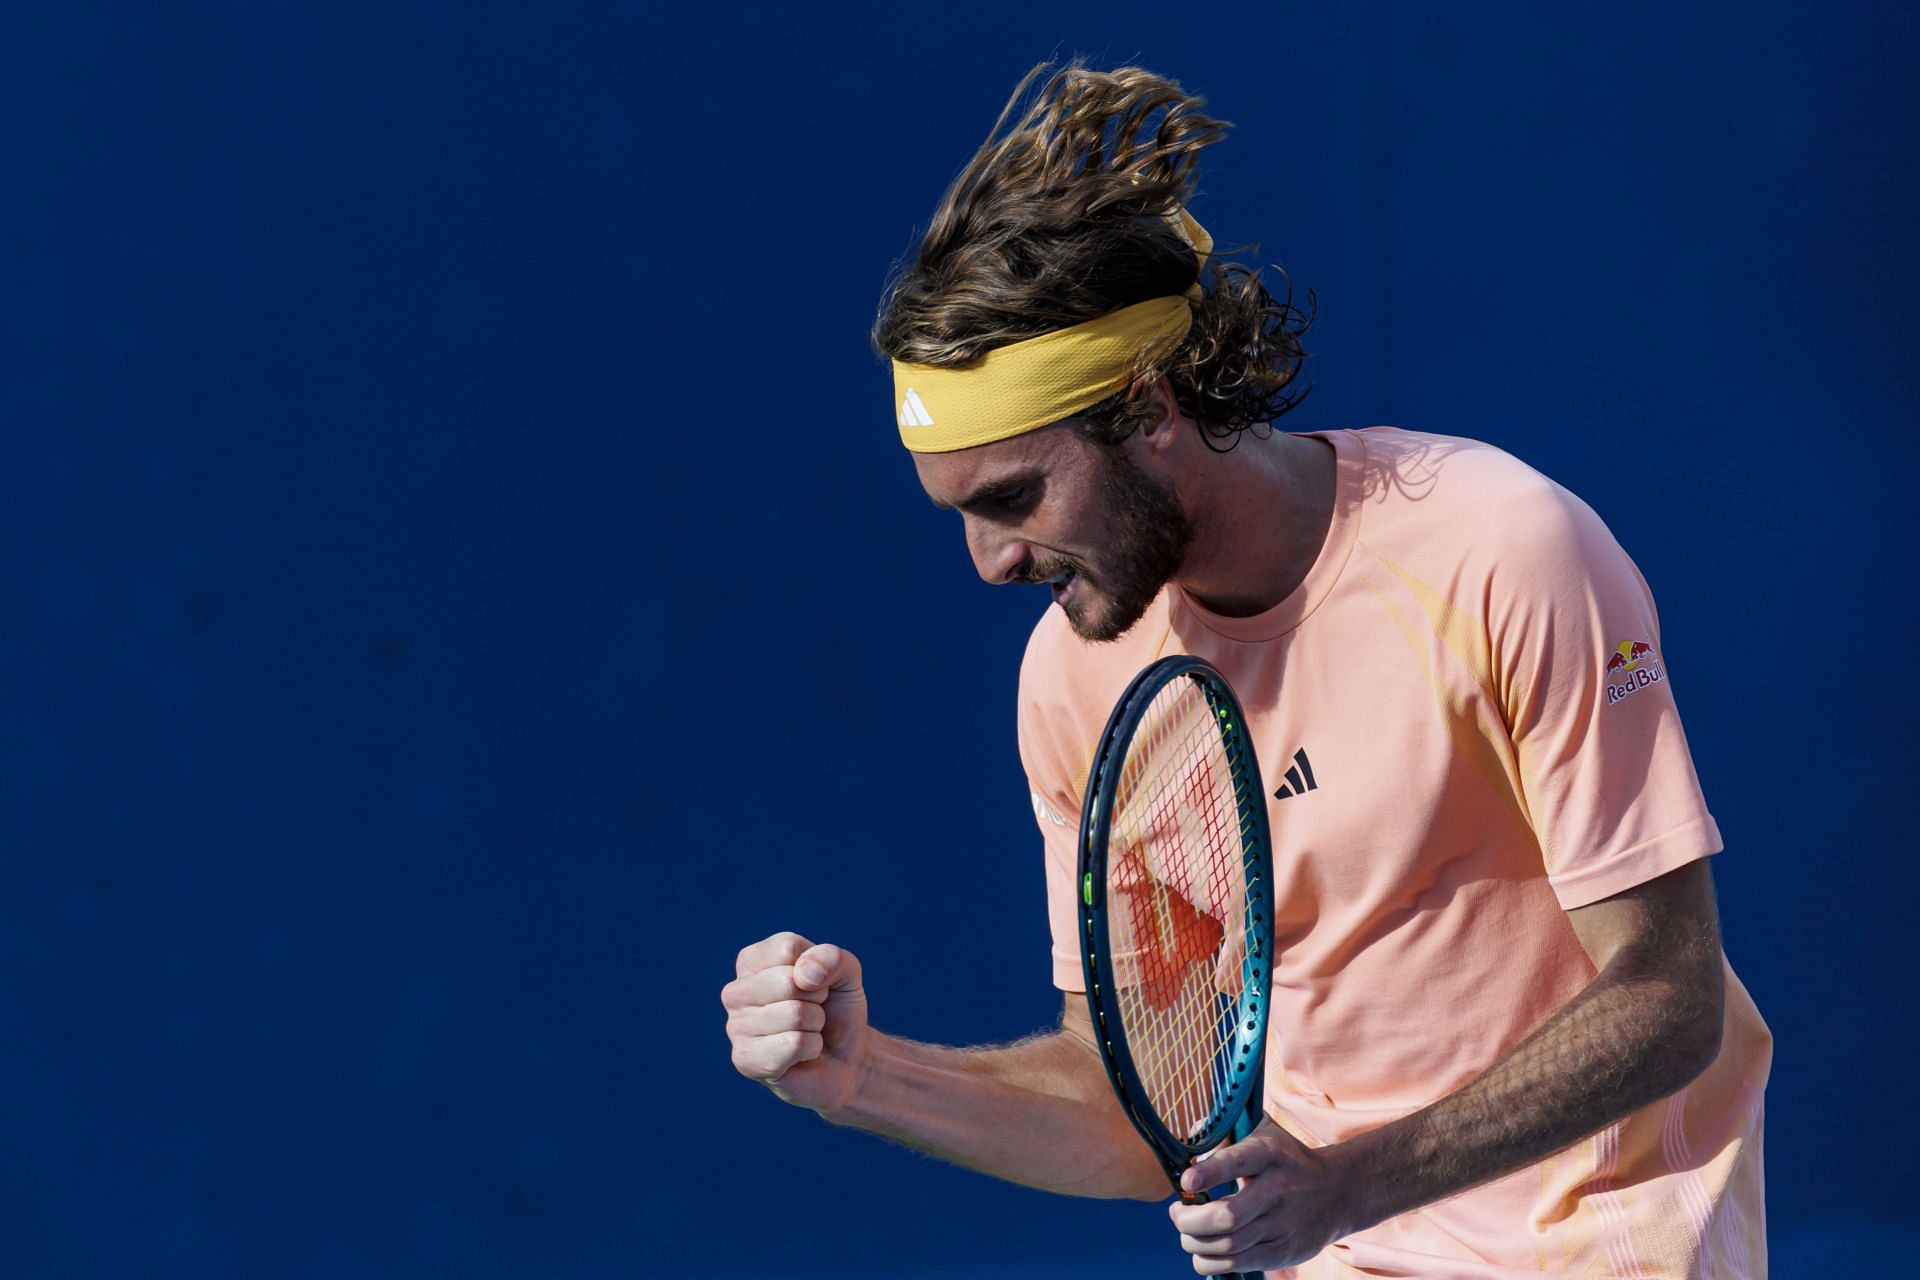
1665 927
1656 948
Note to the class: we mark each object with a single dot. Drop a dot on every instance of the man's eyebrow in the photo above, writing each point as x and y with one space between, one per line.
992 491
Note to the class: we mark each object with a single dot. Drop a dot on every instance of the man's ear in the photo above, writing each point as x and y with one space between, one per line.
1161 427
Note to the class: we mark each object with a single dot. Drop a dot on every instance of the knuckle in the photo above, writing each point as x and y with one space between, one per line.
775 949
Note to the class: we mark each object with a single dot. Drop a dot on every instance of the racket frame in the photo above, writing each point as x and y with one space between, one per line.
1241 1110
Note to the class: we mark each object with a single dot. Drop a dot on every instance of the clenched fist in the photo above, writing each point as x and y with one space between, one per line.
797 1017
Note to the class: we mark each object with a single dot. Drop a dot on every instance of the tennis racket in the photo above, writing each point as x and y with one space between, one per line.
1176 912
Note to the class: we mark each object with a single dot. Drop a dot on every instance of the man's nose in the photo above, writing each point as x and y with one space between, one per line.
998 556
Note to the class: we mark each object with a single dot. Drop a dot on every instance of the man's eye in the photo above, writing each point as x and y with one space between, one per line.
1018 499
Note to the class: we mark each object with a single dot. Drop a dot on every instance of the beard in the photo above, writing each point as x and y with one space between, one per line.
1150 537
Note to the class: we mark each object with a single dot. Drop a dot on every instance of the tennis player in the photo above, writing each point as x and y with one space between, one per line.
1505 1041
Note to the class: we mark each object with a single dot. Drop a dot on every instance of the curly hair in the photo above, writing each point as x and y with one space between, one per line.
1061 217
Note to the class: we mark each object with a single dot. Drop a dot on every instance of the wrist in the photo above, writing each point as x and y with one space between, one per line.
856 1107
1362 1171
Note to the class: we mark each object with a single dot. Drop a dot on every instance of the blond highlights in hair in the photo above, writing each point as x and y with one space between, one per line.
1060 217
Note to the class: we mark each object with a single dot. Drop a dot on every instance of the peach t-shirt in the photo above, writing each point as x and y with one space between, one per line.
1466 728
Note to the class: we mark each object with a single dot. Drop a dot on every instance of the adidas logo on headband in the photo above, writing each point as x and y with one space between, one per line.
912 412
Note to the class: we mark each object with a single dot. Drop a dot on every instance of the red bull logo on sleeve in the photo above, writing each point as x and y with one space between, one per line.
1631 667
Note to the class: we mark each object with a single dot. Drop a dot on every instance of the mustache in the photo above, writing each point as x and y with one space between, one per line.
1053 567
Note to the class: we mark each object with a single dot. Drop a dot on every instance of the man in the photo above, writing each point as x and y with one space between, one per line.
1505 1041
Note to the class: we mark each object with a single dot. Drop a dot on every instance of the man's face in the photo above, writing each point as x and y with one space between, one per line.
1051 507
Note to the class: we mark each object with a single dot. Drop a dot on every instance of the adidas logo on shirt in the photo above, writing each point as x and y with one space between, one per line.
913 413
1299 777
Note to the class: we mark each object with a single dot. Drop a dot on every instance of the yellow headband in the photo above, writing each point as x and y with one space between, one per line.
1030 384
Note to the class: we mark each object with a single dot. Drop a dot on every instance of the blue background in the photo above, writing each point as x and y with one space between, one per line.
462 582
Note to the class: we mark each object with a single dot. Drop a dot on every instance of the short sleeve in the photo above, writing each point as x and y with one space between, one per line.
1608 781
1054 784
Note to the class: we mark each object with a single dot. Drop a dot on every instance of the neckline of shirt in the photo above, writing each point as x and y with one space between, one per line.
1349 452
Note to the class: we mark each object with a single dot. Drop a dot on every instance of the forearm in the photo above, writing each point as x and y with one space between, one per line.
1039 1112
1630 1037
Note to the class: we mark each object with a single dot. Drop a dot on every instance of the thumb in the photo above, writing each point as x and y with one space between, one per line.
1234 1160
826 966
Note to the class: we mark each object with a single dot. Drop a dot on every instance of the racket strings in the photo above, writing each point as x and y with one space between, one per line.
1176 874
